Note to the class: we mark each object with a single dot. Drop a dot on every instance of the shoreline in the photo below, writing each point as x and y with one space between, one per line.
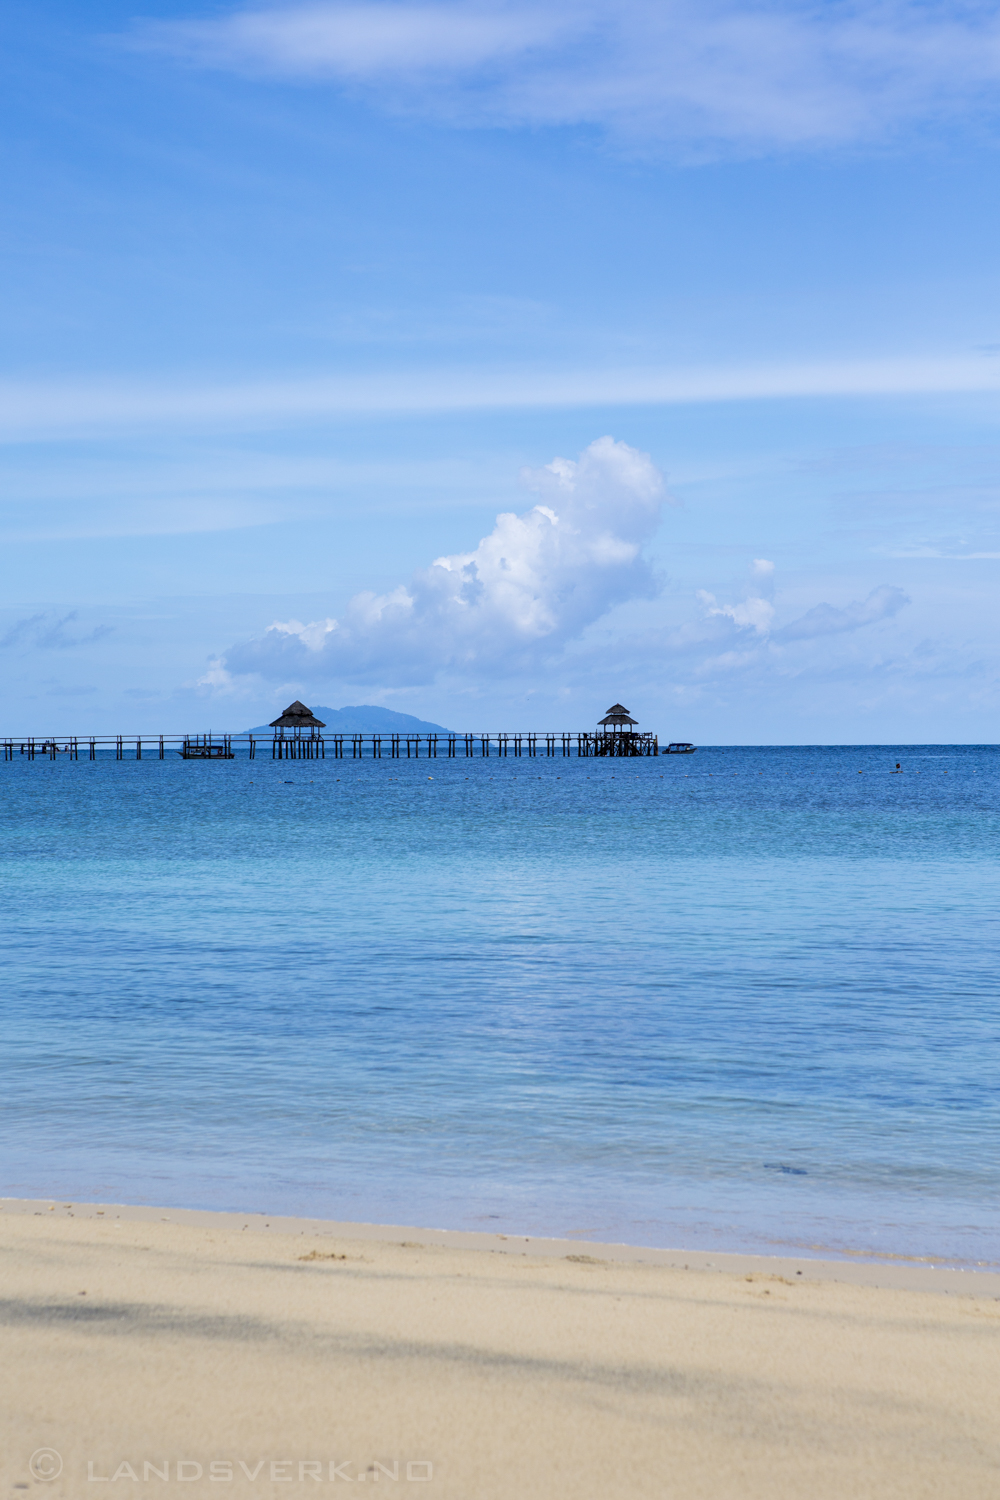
271 1356
875 1270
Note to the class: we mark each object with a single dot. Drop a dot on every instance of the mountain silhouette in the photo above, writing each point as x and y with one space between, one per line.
366 718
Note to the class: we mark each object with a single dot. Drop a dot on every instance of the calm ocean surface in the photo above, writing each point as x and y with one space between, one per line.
746 999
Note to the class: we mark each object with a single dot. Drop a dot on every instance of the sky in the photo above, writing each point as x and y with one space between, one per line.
496 362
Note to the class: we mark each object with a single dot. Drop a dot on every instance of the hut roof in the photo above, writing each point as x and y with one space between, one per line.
617 714
297 716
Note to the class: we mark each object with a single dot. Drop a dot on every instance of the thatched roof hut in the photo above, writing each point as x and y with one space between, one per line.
617 717
297 716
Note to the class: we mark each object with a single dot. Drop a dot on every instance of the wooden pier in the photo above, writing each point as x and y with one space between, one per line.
298 735
543 744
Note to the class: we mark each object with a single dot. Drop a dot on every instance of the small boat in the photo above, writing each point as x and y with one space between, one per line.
679 747
200 749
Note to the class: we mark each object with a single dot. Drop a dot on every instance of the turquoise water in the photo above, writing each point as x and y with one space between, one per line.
743 999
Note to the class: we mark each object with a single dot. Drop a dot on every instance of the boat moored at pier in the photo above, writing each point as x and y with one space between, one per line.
204 747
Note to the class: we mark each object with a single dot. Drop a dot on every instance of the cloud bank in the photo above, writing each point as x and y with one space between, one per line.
776 74
507 607
756 613
882 603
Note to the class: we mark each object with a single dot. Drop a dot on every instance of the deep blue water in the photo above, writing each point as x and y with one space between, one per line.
741 999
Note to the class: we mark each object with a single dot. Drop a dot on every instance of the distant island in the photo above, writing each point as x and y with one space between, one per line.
365 718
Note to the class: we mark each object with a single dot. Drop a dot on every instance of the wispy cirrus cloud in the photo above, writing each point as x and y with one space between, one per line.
51 632
36 409
702 74
368 42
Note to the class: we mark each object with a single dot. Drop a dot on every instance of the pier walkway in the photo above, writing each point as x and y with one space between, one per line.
316 746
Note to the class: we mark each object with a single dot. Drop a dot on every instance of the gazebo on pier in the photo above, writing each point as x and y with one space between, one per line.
295 733
616 719
618 734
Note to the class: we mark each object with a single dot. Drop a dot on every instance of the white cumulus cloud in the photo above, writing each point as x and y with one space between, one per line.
752 613
508 605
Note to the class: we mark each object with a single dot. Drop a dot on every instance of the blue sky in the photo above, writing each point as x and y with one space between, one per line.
298 299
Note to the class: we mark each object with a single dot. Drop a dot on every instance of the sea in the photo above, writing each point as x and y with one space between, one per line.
741 1000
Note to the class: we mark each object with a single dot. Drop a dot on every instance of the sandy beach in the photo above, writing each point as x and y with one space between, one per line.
145 1346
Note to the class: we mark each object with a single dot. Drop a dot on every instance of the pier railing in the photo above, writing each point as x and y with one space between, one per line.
544 743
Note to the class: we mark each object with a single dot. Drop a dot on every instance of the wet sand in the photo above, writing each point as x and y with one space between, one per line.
299 1355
